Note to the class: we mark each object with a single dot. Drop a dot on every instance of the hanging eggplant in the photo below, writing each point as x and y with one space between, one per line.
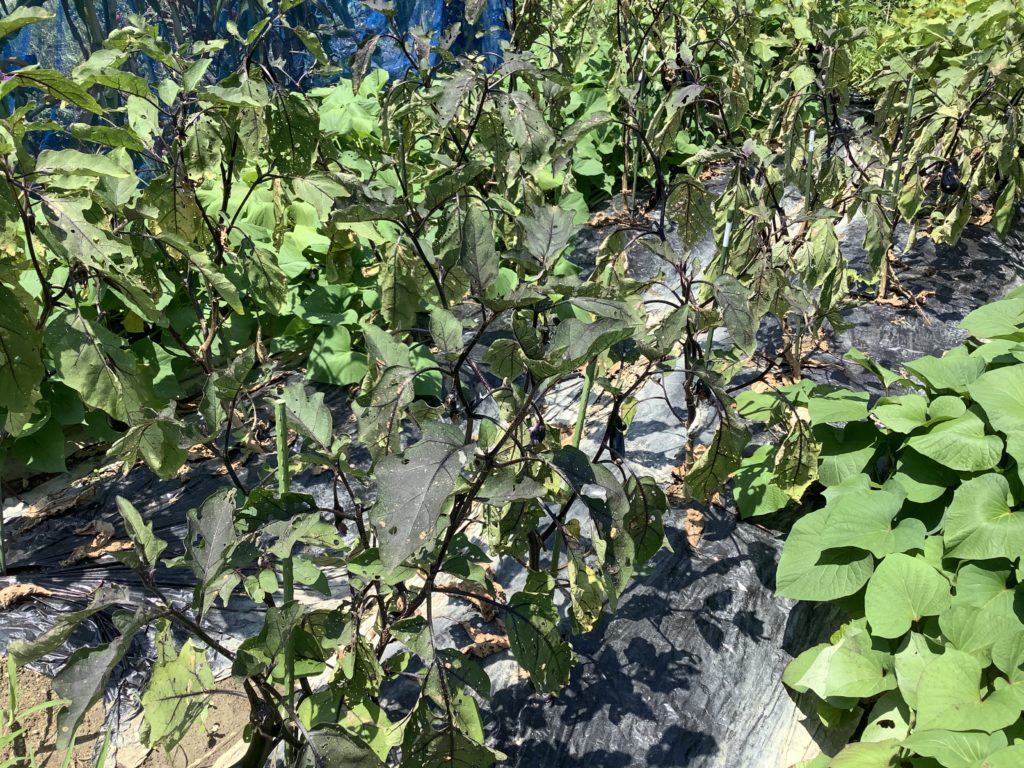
950 183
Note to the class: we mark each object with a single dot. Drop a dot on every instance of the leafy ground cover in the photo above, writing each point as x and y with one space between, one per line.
195 237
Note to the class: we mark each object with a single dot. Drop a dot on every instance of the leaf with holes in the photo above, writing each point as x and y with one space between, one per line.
413 489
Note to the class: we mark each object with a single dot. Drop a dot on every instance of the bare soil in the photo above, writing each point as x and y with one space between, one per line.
40 729
219 743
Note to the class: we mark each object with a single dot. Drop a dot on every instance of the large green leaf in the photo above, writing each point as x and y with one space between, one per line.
867 754
1000 393
960 444
980 524
333 360
806 572
952 749
863 518
954 371
53 84
845 451
922 479
850 668
754 488
902 591
71 161
20 17
902 413
832 404
413 489
998 320
950 697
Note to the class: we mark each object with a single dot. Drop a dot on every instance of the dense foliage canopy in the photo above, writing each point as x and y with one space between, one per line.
188 240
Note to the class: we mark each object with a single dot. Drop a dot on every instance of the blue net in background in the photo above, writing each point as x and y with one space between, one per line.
80 26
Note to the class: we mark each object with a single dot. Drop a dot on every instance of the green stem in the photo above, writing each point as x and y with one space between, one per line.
581 409
3 538
287 571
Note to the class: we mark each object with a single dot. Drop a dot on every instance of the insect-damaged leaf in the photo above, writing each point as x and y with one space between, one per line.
333 745
532 623
608 505
178 691
476 252
309 415
21 366
413 489
689 208
737 312
448 748
545 231
214 528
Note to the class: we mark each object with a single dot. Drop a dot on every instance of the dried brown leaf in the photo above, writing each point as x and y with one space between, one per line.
15 592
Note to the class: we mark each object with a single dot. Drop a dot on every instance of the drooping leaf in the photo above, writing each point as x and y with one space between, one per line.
333 745
156 441
148 546
83 679
737 310
27 651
